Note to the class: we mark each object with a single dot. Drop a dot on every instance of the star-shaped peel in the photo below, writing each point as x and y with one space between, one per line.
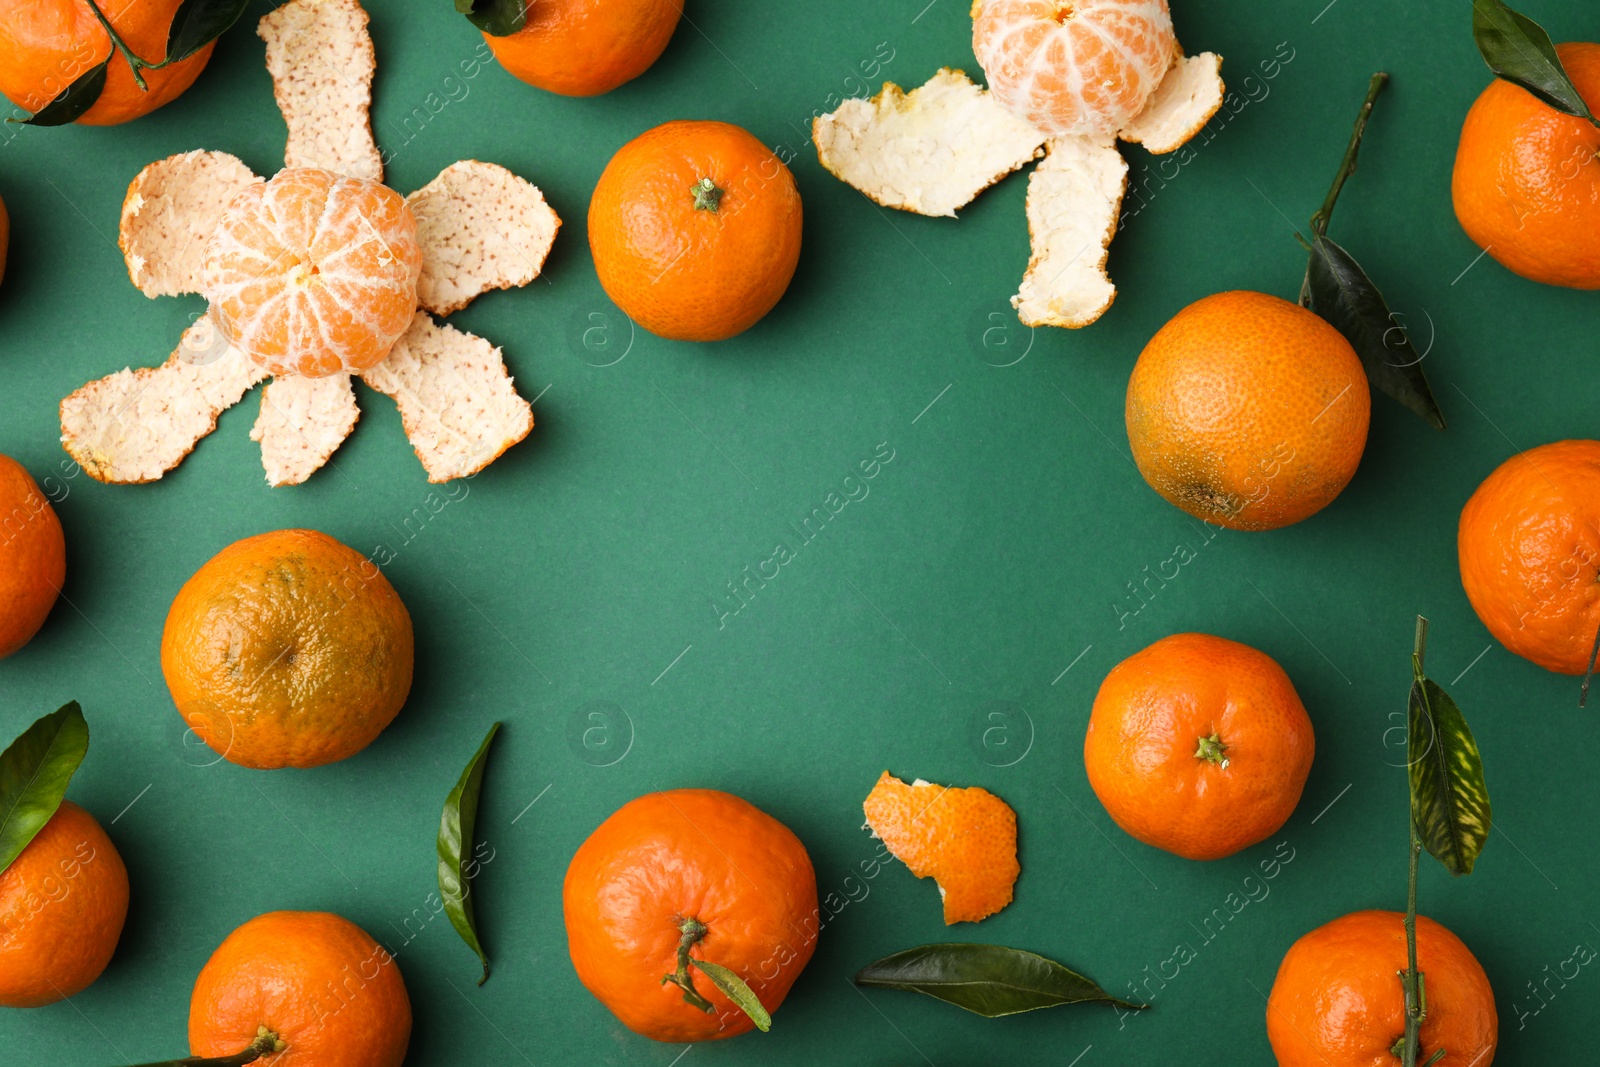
479 227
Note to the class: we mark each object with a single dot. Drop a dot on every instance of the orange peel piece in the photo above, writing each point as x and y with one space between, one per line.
965 839
302 421
169 211
1074 199
1180 107
320 56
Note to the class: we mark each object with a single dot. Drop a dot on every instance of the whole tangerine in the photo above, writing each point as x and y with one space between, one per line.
1529 548
1338 1002
1248 411
33 557
46 45
313 988
587 47
1198 745
695 230
697 868
288 649
1526 183
63 901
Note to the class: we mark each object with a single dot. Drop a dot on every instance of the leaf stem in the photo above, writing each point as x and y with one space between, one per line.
693 930
1588 675
1411 979
266 1041
1347 167
135 64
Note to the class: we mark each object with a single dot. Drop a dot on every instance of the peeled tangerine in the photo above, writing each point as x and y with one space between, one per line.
965 839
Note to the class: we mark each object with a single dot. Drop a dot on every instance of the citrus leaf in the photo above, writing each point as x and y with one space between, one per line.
991 980
456 826
497 18
1343 295
734 989
34 772
1518 50
197 23
77 98
1449 801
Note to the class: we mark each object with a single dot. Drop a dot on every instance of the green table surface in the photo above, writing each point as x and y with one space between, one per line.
987 570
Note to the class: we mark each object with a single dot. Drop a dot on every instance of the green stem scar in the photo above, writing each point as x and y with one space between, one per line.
266 1042
1212 749
707 196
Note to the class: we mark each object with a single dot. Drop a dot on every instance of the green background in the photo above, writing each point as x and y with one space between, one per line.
993 553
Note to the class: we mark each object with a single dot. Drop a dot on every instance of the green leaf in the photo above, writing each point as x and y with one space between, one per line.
1449 801
197 23
734 989
1518 50
74 100
455 850
1343 295
991 980
34 773
497 18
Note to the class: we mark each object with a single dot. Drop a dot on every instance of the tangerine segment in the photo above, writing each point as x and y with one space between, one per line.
1526 183
964 838
313 273
1074 66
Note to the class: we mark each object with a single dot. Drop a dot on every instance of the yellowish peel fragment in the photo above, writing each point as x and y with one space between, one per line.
931 150
1182 104
321 61
302 422
455 397
480 227
135 425
170 210
1074 197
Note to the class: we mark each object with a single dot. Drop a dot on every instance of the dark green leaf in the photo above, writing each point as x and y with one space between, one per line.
455 849
1518 50
1449 801
734 989
34 773
1342 294
74 100
497 18
991 980
197 23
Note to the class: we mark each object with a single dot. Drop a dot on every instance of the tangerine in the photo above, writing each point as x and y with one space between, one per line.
33 557
46 45
587 47
1198 745
63 901
1338 1000
689 869
1073 66
1248 411
313 989
1529 547
695 230
287 649
1526 183
313 273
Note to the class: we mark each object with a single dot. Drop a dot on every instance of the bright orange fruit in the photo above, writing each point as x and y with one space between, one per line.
33 557
1198 745
1529 546
1073 66
587 47
1526 184
328 993
313 273
695 230
1338 1001
288 649
664 861
965 839
1248 411
46 45
62 905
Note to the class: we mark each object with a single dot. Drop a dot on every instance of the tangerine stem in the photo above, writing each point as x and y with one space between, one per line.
1347 167
134 62
1213 749
266 1041
707 196
1411 980
1583 694
693 930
